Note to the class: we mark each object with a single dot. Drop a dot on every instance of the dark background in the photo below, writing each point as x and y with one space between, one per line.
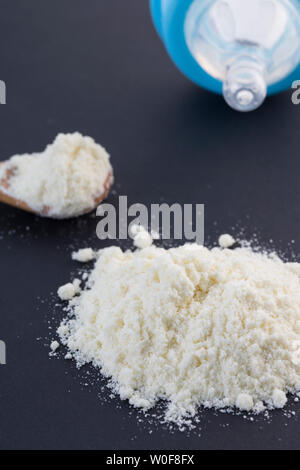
97 66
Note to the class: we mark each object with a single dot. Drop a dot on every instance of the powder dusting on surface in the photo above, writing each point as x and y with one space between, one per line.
64 180
194 326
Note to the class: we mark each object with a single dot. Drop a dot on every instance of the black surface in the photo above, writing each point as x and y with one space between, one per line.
98 67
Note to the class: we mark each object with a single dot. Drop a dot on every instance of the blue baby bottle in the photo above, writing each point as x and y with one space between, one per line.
243 49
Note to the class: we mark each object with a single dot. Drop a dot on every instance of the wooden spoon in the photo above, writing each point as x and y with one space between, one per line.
11 201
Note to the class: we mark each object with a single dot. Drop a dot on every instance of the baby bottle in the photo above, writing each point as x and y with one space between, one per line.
244 49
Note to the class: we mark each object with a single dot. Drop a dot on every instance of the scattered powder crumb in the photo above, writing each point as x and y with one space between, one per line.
67 291
226 240
63 330
54 346
84 255
218 328
141 237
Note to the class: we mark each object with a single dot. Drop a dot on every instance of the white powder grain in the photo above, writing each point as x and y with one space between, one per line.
54 346
226 240
244 402
76 284
63 330
67 291
218 328
141 237
83 255
64 180
279 398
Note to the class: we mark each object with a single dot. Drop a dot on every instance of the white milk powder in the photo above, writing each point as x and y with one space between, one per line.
226 240
67 291
218 328
83 255
54 346
64 180
141 237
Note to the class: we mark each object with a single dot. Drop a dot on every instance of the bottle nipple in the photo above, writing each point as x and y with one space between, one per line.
244 87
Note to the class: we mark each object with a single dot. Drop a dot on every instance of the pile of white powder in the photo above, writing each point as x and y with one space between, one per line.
194 326
64 180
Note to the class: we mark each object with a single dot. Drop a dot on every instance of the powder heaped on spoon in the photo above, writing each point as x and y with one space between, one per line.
63 181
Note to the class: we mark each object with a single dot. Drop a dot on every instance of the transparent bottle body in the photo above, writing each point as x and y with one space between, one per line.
246 44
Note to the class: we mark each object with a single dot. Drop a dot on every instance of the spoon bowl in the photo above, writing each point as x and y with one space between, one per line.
19 204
